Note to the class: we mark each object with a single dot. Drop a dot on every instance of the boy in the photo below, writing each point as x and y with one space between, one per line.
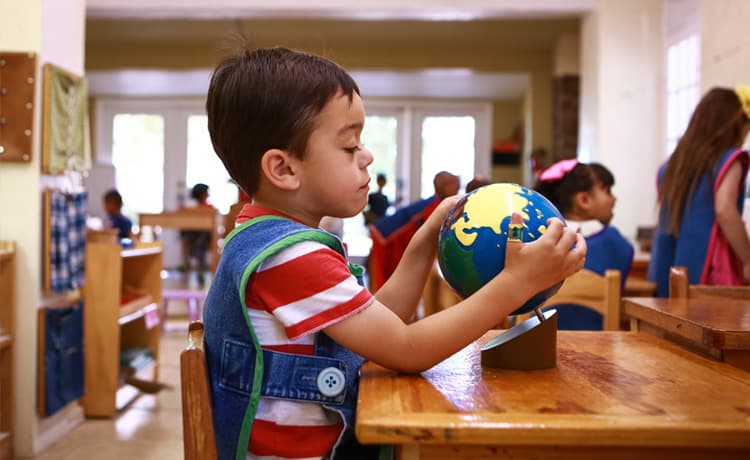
287 324
115 218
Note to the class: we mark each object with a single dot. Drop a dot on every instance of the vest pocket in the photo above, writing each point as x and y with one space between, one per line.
237 365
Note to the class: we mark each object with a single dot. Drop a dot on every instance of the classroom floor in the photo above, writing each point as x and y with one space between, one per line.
150 429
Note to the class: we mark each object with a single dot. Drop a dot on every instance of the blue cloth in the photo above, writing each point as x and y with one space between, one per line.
238 373
63 357
690 246
67 228
121 223
606 250
403 217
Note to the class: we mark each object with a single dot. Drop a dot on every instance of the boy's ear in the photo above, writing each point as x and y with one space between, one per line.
278 166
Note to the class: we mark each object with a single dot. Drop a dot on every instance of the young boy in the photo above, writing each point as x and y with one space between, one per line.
287 324
115 218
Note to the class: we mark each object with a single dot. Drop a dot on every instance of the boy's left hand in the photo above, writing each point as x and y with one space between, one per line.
435 220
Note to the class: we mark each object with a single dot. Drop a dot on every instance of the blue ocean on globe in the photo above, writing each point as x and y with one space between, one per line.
471 245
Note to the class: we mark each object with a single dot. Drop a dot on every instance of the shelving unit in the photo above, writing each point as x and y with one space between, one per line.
7 313
122 303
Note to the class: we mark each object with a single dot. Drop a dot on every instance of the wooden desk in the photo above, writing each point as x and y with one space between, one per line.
613 395
719 328
188 219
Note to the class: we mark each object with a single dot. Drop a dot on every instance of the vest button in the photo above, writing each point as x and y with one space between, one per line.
331 382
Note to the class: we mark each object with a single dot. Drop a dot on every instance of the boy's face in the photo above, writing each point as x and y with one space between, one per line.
110 207
333 173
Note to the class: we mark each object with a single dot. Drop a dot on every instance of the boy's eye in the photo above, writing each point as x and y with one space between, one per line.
353 150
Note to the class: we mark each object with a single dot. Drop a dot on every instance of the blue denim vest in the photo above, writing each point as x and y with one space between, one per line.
239 371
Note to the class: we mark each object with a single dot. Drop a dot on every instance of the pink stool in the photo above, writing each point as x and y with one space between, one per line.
194 298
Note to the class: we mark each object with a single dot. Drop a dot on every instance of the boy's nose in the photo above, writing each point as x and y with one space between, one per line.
367 157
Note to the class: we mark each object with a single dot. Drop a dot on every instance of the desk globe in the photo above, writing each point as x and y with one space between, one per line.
471 245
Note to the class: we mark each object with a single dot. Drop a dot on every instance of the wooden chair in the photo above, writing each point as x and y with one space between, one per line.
199 441
599 293
679 287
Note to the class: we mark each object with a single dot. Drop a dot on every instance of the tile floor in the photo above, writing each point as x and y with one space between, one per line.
149 429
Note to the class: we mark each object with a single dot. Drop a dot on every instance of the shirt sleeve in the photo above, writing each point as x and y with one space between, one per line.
306 287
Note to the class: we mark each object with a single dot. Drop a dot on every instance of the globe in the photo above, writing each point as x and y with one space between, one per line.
473 235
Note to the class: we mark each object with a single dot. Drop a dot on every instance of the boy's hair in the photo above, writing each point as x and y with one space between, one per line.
268 99
582 178
717 124
113 196
198 191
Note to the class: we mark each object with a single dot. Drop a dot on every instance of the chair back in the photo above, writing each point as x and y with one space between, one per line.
591 290
679 287
199 441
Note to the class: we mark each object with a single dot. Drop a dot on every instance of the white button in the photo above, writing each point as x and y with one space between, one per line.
331 382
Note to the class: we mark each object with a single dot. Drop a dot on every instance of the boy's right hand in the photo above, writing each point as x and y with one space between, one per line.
546 261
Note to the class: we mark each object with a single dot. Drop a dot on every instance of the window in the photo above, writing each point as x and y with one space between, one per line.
683 79
204 166
138 159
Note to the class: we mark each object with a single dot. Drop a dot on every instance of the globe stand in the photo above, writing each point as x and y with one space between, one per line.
529 345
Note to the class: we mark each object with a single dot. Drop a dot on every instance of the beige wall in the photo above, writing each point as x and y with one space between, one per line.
53 30
506 116
622 102
725 48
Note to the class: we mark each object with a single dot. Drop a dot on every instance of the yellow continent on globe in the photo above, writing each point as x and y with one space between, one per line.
486 205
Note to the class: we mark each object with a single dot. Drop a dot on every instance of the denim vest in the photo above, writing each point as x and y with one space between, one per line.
239 371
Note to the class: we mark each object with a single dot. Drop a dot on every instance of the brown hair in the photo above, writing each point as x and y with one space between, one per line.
582 178
717 124
268 99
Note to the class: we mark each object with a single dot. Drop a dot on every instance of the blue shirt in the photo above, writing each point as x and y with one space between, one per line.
121 223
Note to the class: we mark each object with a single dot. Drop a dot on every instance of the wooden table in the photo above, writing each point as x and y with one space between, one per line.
613 395
719 328
188 219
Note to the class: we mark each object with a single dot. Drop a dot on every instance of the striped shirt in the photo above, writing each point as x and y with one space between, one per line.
290 297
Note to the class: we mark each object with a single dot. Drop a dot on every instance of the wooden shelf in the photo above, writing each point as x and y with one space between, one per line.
7 324
5 341
140 251
136 309
6 445
122 297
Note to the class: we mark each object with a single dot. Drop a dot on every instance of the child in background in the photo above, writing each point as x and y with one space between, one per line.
287 323
701 190
197 241
583 194
115 218
377 202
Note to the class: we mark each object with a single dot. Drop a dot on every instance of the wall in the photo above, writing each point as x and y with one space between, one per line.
506 117
622 102
54 30
725 48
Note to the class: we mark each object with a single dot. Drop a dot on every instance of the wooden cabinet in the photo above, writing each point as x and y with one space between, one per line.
7 312
122 297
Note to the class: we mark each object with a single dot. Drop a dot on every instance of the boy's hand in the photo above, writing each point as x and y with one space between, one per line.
546 261
435 220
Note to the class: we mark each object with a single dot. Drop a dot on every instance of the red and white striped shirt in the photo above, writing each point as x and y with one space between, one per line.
290 297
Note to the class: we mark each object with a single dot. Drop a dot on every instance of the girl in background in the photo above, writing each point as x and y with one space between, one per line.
700 193
583 194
